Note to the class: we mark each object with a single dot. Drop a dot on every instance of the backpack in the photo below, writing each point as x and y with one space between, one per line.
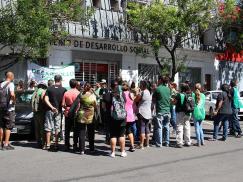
4 97
118 111
188 104
37 103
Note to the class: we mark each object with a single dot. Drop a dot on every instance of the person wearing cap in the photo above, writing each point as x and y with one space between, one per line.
38 108
104 111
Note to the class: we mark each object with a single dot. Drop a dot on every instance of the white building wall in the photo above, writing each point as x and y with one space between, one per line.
129 68
60 56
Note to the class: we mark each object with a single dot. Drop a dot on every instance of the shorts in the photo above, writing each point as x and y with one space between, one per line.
130 127
52 121
7 119
117 128
144 125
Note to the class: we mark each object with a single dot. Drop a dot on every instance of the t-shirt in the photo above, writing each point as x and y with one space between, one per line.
68 98
180 100
9 88
162 96
236 103
55 94
144 106
226 106
129 107
97 94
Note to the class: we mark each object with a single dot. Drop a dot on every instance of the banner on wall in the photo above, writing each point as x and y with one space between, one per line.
43 74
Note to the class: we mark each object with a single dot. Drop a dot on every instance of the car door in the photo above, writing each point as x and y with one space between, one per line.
207 102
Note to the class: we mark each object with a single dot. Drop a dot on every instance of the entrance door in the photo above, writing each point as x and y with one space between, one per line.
102 72
207 82
92 72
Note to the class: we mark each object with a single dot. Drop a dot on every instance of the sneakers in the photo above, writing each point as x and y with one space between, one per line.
197 144
140 147
179 146
124 154
187 145
113 155
46 147
132 149
237 135
222 139
8 147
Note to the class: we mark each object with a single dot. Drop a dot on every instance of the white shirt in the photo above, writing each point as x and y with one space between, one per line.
10 88
144 106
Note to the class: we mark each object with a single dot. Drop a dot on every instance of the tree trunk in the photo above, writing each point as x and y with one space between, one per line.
173 60
158 61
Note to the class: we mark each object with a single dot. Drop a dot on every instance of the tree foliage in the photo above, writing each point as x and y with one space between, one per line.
28 26
170 24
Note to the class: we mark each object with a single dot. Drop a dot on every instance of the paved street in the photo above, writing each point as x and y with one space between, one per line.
217 161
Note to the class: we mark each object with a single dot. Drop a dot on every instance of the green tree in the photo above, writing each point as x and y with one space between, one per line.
231 19
28 26
170 24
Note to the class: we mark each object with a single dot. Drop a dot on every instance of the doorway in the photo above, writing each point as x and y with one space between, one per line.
92 72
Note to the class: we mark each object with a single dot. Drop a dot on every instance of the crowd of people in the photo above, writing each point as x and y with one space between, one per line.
122 110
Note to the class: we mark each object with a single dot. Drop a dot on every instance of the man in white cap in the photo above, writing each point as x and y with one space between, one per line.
103 111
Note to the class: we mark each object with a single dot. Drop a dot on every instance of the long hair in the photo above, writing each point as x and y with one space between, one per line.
198 89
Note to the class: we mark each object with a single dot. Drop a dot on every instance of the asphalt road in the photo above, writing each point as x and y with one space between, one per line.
217 161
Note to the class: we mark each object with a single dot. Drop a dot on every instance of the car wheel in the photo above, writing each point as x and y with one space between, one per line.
211 113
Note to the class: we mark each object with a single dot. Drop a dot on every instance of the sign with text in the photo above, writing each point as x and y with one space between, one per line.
104 46
43 74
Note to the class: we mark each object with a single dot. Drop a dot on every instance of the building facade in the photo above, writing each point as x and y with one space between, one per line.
105 48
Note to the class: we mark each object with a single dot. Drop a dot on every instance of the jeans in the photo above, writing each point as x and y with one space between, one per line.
161 123
199 131
235 122
173 118
225 121
81 128
134 129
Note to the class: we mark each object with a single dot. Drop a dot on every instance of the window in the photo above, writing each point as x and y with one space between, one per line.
148 72
97 3
114 5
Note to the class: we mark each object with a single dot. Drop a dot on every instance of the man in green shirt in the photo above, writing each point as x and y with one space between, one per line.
236 105
162 100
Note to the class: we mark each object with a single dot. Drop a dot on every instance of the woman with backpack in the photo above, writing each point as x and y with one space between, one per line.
184 108
130 109
199 114
144 100
222 112
118 120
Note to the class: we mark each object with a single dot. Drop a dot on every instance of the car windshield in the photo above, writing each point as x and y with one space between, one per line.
24 97
241 94
215 95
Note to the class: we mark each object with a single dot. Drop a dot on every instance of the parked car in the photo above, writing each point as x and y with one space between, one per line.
210 103
24 121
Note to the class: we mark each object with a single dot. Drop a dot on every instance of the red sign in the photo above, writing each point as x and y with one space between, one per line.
230 55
